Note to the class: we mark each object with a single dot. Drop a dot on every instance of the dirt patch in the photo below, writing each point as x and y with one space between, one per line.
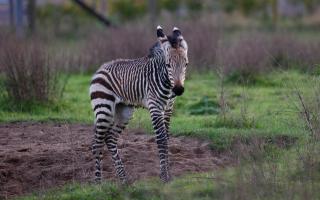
35 156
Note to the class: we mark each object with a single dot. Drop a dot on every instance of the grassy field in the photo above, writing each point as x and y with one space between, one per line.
266 109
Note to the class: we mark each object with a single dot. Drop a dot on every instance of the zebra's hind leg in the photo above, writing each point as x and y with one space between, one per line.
102 126
123 114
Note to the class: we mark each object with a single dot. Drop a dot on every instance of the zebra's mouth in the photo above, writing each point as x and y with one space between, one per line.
178 90
173 95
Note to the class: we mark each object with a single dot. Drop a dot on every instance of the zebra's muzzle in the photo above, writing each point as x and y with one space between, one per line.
178 90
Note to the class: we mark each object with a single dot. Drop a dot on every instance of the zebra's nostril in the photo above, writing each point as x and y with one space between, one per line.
178 90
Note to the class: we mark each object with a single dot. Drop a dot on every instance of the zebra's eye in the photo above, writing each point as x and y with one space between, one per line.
168 65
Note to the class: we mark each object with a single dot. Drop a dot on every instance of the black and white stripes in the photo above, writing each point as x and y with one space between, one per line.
151 82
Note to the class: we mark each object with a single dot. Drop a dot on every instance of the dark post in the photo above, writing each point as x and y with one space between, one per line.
19 17
11 13
31 14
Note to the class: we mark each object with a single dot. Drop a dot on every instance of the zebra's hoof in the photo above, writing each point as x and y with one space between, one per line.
124 183
169 179
97 180
165 178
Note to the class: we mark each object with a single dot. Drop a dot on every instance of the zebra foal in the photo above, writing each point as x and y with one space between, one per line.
152 82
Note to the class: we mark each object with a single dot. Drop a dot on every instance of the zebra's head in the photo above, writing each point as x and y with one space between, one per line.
175 50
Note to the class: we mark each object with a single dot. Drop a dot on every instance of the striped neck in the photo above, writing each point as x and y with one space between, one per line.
157 60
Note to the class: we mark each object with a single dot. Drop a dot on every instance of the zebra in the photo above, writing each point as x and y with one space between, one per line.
152 82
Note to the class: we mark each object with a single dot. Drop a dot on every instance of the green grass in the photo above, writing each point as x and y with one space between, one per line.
267 104
73 107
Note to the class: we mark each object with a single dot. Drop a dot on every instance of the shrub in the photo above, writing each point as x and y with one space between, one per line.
134 40
246 58
29 75
203 42
288 52
124 42
226 117
308 106
235 121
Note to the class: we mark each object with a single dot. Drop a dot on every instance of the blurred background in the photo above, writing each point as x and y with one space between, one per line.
94 31
252 88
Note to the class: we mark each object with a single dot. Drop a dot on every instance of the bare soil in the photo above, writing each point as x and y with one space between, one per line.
37 156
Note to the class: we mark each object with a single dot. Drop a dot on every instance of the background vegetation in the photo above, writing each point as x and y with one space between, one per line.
252 89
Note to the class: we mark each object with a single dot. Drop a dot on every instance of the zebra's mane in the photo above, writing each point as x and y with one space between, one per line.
155 51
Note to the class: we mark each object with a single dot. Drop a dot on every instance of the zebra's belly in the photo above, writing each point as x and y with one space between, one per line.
136 103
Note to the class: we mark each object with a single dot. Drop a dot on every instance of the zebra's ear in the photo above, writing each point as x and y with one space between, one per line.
176 32
161 36
176 38
160 33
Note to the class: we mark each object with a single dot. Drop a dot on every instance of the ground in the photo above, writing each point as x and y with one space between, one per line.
37 156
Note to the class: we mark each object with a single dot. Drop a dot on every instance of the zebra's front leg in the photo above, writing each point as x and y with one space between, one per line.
157 117
168 113
167 116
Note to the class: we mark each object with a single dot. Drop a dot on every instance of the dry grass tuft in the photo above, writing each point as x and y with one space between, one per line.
124 42
29 72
